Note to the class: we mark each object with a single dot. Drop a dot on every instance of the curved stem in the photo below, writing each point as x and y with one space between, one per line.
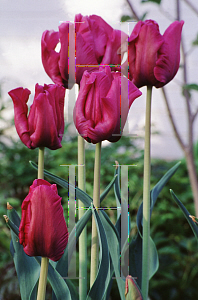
96 203
83 236
44 260
146 198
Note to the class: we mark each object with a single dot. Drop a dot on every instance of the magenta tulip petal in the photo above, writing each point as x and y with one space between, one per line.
168 62
43 231
50 58
20 97
85 58
128 92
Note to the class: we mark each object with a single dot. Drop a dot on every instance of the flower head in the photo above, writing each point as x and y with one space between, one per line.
44 126
96 43
43 231
103 104
154 58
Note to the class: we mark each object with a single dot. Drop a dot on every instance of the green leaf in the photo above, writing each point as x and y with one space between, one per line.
192 86
156 1
27 268
135 249
100 285
155 193
126 18
58 284
132 292
114 249
195 42
12 226
62 264
135 259
108 188
117 190
186 214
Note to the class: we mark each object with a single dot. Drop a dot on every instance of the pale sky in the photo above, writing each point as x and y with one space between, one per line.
22 23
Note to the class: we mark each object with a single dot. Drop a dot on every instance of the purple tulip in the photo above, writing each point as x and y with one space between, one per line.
154 58
96 43
100 112
44 126
43 231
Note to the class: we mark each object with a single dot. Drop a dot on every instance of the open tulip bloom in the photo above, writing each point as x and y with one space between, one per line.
96 43
100 113
44 126
103 104
154 58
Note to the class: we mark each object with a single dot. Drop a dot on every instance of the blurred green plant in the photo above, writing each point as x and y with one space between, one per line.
176 245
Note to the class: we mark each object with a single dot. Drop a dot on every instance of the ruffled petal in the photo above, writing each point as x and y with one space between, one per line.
50 58
20 97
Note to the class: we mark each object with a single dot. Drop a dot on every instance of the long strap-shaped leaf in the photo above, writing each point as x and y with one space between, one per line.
114 249
27 268
186 214
100 285
135 250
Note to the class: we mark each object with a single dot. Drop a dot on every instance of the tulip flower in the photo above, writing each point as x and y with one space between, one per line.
154 58
44 126
100 112
43 231
96 43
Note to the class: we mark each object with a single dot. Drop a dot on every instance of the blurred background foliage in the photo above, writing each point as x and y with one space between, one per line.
176 245
177 276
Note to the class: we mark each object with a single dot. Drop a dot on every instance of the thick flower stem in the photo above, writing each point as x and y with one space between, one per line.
83 236
44 260
146 198
96 203
43 279
41 163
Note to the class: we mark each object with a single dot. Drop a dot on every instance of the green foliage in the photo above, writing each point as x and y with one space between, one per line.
174 240
195 42
126 18
155 1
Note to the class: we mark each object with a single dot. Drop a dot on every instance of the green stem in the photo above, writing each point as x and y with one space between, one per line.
96 203
146 198
83 236
43 279
44 260
41 163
